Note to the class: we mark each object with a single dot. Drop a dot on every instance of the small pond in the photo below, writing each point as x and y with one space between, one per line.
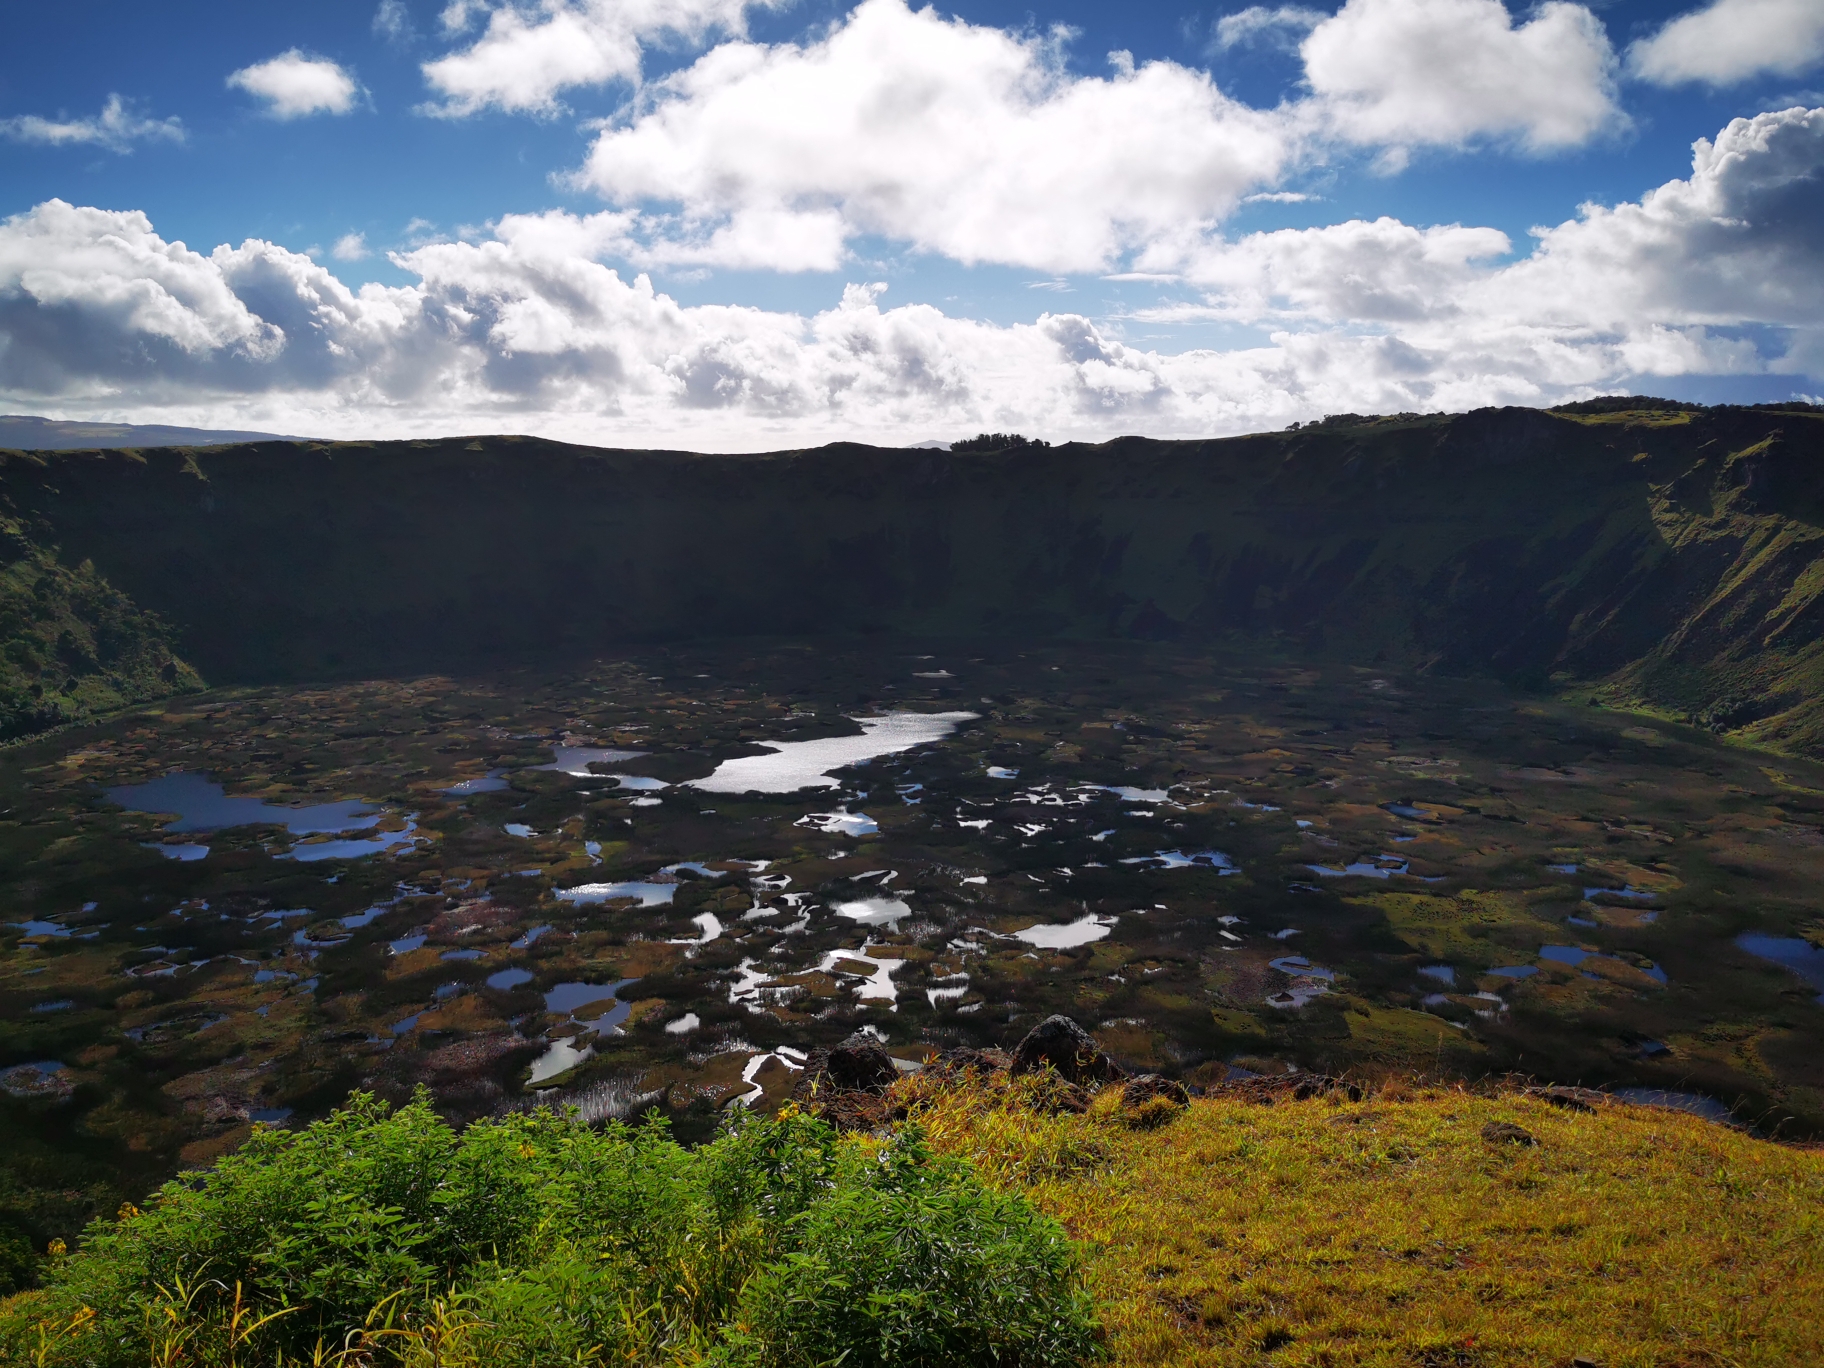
1794 952
491 782
1385 867
565 998
560 1056
875 975
649 894
202 805
842 822
887 912
351 849
575 760
795 765
1178 859
1065 935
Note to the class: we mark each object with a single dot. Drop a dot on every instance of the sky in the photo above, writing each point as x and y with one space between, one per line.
721 225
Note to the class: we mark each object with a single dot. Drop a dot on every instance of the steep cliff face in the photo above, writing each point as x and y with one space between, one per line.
1675 555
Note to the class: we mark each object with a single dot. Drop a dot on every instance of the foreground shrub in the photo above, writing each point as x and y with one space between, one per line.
376 1237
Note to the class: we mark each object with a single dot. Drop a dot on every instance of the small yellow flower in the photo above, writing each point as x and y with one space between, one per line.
127 1212
57 1249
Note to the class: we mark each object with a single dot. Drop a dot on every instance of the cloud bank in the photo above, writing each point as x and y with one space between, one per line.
978 144
1717 272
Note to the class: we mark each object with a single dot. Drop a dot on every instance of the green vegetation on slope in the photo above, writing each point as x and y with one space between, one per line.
73 647
532 1240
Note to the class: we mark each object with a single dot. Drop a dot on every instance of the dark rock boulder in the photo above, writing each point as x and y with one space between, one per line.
859 1064
1058 1042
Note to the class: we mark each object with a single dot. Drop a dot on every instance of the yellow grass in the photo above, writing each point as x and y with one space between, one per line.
1390 1231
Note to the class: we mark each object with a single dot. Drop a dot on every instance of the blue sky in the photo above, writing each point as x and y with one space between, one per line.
723 224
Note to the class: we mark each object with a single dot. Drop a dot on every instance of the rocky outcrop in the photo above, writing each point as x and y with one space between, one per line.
1060 1044
859 1064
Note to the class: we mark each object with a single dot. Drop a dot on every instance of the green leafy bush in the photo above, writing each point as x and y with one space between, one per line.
387 1237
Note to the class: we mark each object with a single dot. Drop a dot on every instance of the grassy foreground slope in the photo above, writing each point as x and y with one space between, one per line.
1391 1231
1416 1226
1674 554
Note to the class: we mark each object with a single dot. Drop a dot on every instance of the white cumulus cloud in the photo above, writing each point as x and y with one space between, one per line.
1736 243
350 247
294 85
528 55
116 128
1447 72
1730 40
961 140
528 328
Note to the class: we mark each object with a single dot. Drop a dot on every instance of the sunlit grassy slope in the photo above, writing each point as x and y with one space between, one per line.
1390 1231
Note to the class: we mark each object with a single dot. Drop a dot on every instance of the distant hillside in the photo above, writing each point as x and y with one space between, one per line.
50 434
1670 555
